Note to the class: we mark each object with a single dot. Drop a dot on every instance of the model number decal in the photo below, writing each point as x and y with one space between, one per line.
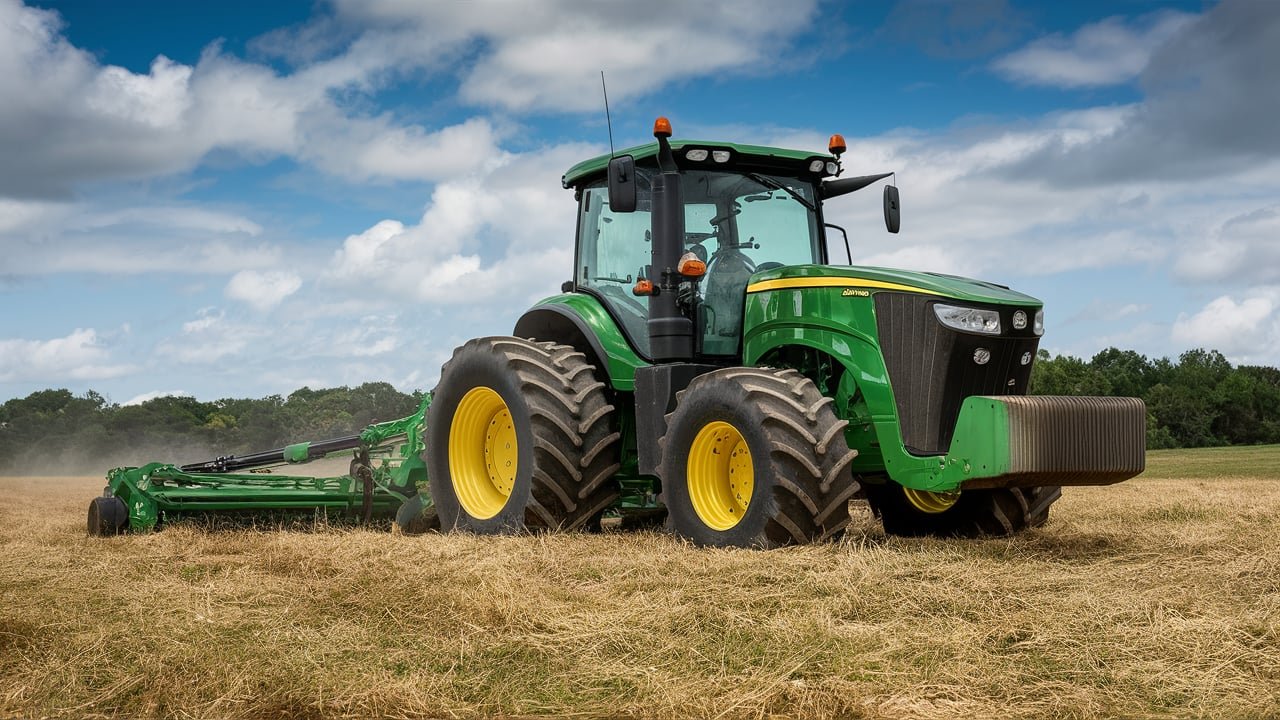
855 292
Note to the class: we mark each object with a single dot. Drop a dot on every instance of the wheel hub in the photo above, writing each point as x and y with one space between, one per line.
483 453
721 475
930 502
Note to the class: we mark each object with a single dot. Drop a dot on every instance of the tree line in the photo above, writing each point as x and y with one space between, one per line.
1197 401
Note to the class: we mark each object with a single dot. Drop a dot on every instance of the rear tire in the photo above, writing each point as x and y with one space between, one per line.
107 516
520 435
995 512
755 457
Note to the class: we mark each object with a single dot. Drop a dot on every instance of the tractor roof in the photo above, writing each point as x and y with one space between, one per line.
758 156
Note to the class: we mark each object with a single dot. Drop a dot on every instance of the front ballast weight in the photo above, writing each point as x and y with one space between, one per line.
383 481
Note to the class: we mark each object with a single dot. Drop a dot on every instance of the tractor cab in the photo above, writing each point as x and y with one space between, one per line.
671 233
736 222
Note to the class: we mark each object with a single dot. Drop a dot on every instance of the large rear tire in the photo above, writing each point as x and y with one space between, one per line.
520 435
755 457
972 513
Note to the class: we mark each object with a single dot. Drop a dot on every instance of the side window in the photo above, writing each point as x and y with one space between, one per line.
614 252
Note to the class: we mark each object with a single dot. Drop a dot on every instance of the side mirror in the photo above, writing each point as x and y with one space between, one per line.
622 184
892 216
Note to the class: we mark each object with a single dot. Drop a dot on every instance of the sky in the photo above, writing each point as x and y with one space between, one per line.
238 199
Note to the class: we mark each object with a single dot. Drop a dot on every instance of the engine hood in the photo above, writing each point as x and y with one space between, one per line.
877 279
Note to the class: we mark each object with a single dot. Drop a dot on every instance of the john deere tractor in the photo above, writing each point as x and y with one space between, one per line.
709 365
709 362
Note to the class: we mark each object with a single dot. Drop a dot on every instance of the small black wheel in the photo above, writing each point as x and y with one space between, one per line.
520 435
755 457
107 516
970 513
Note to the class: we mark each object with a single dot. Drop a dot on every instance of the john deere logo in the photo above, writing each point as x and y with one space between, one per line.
855 292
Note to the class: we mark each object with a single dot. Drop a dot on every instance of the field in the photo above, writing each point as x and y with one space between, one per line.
1159 597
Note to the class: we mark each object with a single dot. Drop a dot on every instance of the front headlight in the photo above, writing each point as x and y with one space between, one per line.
966 319
1039 326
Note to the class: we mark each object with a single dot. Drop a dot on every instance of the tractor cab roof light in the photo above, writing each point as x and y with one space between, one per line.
696 154
720 156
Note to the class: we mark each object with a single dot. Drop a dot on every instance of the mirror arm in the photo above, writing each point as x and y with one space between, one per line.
844 186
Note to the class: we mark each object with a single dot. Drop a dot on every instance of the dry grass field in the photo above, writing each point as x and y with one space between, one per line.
1159 597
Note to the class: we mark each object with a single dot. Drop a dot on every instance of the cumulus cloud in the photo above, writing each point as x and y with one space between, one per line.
81 355
496 241
65 119
548 55
1112 51
1243 330
262 290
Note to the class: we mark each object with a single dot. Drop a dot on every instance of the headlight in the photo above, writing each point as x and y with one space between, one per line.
696 155
965 319
1039 326
720 156
816 166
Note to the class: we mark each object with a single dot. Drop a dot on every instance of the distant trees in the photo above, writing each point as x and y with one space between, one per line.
54 431
1198 401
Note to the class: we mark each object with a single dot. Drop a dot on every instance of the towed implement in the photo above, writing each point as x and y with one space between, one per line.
382 482
709 363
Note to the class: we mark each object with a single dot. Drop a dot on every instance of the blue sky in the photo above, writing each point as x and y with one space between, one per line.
238 199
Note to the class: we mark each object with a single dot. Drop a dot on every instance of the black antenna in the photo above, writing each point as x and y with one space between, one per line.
607 119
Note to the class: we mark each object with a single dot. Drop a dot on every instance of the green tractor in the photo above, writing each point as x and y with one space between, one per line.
709 363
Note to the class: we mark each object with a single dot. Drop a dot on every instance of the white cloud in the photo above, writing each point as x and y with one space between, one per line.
548 55
495 241
1109 52
209 338
1244 248
262 290
81 355
1245 329
152 395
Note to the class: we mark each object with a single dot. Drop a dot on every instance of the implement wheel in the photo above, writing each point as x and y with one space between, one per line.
520 435
107 516
972 513
755 457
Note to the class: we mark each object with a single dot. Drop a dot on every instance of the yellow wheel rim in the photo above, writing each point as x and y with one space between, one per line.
931 502
483 453
721 475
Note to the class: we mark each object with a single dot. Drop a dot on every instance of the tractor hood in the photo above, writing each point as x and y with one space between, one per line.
875 279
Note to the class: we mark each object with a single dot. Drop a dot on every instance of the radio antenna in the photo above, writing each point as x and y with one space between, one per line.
608 121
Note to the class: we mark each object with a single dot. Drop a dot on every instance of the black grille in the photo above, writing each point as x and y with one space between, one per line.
932 370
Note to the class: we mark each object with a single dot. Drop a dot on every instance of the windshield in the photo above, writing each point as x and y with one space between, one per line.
740 224
737 223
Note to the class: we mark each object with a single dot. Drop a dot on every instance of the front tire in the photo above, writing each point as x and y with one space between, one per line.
995 512
755 457
520 435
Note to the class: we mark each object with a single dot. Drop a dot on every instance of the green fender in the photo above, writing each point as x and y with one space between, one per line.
580 320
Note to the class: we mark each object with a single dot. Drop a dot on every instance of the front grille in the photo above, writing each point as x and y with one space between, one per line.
932 370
